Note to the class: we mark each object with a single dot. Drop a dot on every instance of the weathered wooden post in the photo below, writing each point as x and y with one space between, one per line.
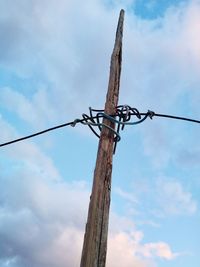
95 239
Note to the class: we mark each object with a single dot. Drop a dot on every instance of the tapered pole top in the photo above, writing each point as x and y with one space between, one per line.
115 68
119 32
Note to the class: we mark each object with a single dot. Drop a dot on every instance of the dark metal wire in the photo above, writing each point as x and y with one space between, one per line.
38 133
176 117
122 118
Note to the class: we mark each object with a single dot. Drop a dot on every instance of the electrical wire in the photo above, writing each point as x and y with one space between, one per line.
35 134
176 117
123 113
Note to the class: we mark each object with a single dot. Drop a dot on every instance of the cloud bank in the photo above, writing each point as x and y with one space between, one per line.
61 52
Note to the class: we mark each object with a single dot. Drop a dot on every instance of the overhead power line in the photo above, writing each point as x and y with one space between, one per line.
35 134
122 118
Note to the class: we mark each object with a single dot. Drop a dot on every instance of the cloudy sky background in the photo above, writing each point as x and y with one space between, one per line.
54 64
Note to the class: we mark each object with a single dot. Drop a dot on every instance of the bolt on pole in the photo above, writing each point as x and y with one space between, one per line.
96 232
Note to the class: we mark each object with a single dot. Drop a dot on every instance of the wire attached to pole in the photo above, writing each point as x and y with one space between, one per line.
121 118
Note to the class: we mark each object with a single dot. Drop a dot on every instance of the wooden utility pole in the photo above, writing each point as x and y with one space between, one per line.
95 239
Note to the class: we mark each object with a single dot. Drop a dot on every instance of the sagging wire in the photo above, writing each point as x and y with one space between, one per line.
121 118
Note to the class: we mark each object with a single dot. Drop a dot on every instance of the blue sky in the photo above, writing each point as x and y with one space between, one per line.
54 64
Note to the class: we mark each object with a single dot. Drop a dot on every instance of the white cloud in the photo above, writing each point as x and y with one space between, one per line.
122 252
67 48
73 65
159 249
41 224
57 51
40 220
161 65
173 199
34 110
26 155
126 249
125 195
158 198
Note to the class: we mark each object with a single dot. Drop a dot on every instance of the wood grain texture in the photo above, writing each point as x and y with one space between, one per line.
95 239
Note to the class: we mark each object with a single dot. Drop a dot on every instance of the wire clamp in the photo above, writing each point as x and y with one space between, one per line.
75 122
151 114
